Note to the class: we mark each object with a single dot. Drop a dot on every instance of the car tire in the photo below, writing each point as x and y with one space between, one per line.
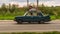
41 22
29 22
19 22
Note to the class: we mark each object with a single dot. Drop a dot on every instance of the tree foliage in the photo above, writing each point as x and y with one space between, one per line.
15 10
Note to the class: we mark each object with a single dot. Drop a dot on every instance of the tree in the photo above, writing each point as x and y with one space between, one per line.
4 8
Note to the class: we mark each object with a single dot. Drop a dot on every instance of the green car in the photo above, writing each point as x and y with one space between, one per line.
40 18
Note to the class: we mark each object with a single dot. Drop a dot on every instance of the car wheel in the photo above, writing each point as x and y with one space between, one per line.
41 22
29 22
19 22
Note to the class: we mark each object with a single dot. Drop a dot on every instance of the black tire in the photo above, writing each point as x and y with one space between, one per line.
41 22
29 22
19 22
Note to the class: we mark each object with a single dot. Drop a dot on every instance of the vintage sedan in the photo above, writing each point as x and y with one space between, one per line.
40 18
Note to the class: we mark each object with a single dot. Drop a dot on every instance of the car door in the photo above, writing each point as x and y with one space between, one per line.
36 18
27 18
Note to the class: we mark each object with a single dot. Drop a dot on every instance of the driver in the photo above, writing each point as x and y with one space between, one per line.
32 10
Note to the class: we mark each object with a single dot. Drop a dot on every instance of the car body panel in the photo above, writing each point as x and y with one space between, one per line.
32 18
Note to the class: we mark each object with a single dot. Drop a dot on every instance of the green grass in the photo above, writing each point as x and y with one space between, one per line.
6 18
53 17
11 17
55 32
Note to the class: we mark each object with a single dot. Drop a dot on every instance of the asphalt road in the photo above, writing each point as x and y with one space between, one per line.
11 26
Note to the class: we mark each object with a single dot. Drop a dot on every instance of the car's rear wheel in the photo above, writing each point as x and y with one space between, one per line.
41 22
19 22
29 22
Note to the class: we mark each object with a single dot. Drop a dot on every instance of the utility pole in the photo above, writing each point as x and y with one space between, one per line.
37 3
27 2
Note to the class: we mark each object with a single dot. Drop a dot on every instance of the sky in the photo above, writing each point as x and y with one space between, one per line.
23 2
